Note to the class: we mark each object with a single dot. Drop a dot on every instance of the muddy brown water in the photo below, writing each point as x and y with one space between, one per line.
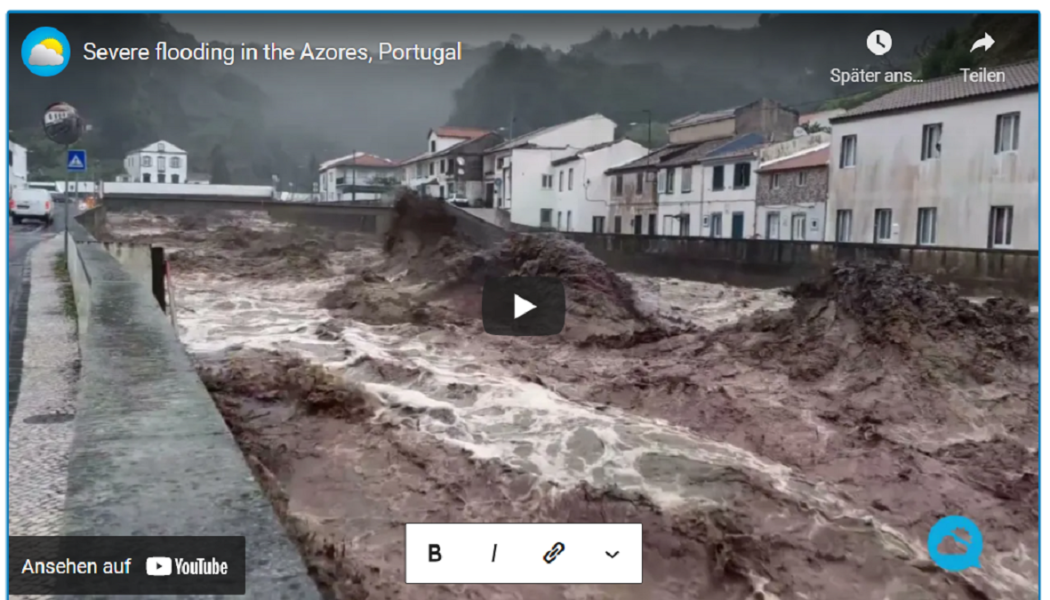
755 474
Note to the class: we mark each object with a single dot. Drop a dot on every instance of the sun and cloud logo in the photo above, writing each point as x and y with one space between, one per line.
45 51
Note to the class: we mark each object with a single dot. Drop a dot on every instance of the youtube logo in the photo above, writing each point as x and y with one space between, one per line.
523 306
158 566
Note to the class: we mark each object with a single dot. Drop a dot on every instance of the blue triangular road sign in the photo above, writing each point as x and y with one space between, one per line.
76 160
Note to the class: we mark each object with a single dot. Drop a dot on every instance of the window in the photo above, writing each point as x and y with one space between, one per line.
597 224
160 147
561 180
174 162
443 168
570 179
801 181
431 169
174 177
160 178
718 179
1007 132
452 189
843 225
798 226
547 181
147 161
773 226
638 182
652 224
433 145
499 163
774 181
661 182
419 169
619 185
926 232
670 181
545 217
716 225
160 162
145 178
559 220
741 175
687 179
931 141
441 191
683 224
10 158
617 224
1001 226
883 224
848 152
568 220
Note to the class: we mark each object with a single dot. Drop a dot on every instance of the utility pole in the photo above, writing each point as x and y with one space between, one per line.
65 216
353 178
649 120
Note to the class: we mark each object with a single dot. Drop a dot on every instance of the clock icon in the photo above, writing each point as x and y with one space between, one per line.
879 42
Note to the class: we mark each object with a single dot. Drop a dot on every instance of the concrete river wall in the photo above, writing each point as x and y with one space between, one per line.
151 455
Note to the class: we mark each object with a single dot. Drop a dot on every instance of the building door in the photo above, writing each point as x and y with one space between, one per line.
738 225
652 224
490 195
637 225
798 226
716 225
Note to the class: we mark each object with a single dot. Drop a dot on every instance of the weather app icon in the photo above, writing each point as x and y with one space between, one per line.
973 544
45 51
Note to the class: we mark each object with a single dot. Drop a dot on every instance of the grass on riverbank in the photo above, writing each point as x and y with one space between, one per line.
69 301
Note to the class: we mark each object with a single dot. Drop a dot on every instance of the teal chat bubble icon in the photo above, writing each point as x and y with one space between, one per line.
948 527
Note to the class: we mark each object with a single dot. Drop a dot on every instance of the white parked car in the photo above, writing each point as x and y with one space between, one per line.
31 203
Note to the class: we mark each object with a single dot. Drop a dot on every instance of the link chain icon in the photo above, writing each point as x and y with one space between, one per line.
554 553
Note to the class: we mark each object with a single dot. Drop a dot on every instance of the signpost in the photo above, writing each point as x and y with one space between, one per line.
76 163
63 125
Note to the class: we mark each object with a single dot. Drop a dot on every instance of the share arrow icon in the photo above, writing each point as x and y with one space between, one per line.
985 43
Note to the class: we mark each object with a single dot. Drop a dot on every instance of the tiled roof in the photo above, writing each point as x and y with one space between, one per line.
809 158
698 118
359 159
740 146
466 133
655 158
521 140
576 155
696 153
947 89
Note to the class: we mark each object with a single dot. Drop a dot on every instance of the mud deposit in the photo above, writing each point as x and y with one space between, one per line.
773 446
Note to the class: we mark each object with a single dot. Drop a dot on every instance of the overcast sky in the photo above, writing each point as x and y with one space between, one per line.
347 29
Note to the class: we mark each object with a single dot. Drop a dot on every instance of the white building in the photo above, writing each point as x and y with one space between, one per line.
358 177
952 161
17 166
518 172
577 188
438 172
159 162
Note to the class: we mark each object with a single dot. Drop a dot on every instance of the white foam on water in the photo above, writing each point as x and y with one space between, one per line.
505 418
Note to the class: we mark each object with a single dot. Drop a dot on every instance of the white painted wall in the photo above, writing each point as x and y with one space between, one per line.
728 200
588 131
682 199
328 185
590 193
527 195
814 216
157 160
187 189
17 166
963 184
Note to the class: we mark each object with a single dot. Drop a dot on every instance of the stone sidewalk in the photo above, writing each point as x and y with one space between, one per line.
41 429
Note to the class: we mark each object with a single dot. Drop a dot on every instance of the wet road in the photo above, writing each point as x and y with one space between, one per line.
21 239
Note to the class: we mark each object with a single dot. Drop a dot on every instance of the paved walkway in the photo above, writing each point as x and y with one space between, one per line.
42 426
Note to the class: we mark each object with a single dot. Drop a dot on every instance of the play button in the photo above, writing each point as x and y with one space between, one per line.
521 306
